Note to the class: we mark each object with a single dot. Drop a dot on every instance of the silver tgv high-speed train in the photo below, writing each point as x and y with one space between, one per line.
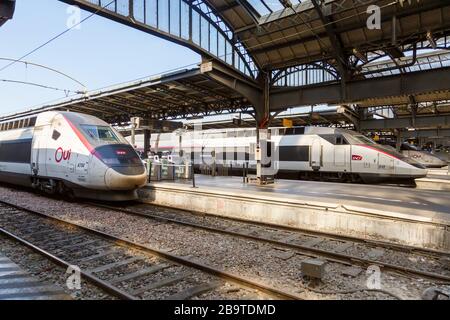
69 153
425 158
303 153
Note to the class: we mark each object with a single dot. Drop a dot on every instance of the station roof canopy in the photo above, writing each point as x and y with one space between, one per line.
180 94
281 33
201 92
256 36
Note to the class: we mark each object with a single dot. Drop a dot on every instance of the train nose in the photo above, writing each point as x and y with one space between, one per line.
115 180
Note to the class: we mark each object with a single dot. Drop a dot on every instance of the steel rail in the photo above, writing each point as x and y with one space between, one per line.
399 247
86 275
220 273
330 255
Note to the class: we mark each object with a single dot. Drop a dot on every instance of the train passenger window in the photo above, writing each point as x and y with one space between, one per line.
32 122
289 131
56 135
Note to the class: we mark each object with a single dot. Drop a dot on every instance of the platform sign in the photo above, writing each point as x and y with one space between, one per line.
264 134
287 123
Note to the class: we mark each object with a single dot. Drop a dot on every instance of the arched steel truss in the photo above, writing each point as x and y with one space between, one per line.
364 65
305 75
191 23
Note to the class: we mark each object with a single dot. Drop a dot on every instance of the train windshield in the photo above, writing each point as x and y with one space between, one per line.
100 134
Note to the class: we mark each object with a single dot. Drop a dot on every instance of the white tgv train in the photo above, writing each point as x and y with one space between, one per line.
303 153
425 158
69 153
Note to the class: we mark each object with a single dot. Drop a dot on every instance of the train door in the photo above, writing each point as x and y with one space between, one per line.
385 163
341 153
39 151
340 156
315 158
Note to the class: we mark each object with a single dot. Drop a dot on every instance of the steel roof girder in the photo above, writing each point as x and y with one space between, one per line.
402 85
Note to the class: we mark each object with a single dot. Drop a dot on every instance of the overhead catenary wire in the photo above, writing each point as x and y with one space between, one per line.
66 91
56 37
26 63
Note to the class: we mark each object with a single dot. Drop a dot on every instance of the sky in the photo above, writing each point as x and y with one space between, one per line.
101 53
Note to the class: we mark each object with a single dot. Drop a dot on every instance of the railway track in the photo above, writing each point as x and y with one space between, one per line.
122 268
346 250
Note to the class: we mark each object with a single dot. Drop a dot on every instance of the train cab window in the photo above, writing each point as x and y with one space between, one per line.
100 133
55 135
335 139
341 140
360 139
32 122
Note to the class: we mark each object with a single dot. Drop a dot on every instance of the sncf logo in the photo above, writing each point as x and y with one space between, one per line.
356 157
61 154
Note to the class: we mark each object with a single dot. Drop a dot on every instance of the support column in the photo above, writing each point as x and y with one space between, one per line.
263 136
399 140
147 145
133 134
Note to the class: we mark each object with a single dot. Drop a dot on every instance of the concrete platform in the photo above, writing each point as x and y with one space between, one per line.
407 216
17 284
441 171
437 179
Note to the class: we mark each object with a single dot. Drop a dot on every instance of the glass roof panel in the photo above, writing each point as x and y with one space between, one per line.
265 7
274 5
259 6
